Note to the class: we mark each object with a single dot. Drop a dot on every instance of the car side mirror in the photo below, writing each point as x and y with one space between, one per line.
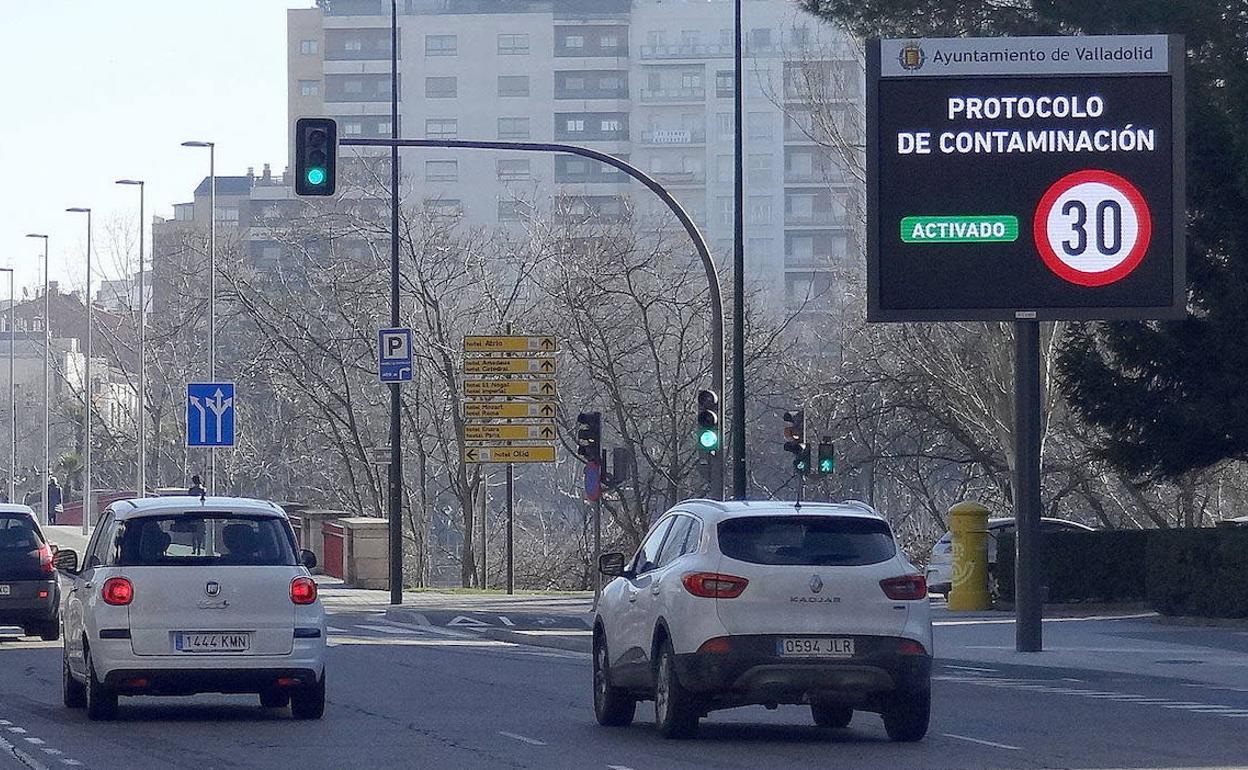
66 560
611 564
308 559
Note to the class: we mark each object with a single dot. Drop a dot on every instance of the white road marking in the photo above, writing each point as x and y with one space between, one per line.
506 620
618 767
522 738
53 752
36 741
339 631
971 668
982 742
18 730
388 630
72 762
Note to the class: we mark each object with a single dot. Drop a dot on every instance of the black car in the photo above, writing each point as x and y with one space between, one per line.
29 594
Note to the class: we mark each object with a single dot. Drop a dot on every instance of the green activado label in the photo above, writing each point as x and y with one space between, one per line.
987 228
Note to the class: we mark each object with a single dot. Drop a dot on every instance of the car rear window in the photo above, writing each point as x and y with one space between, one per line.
207 539
18 533
813 541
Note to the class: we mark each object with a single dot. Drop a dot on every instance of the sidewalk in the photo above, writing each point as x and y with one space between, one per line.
70 537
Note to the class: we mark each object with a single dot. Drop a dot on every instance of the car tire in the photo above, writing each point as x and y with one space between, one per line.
274 698
308 702
613 707
907 716
831 715
101 701
73 692
675 713
50 631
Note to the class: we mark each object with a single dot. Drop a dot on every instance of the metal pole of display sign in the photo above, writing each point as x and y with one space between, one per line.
593 567
1027 406
511 513
715 461
396 415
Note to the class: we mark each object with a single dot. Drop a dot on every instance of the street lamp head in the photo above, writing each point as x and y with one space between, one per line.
197 144
130 181
78 210
36 235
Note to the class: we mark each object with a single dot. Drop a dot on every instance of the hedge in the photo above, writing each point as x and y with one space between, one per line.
1201 572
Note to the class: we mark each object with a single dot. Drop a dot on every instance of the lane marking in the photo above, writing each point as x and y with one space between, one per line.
36 741
388 630
982 742
506 620
522 738
18 730
22 756
335 630
971 668
618 767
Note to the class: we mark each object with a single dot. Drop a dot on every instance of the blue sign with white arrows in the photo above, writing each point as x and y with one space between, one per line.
210 414
394 355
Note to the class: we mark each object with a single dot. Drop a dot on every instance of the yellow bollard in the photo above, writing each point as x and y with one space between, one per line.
968 521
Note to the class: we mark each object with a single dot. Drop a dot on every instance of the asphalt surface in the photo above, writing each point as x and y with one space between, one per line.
414 695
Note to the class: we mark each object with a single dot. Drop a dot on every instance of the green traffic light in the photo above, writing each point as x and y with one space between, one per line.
708 439
316 176
825 465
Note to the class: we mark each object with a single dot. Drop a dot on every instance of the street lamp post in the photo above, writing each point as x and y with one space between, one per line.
12 391
212 287
141 476
86 398
47 380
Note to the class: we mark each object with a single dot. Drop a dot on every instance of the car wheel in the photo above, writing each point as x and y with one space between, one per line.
50 631
101 701
906 718
612 705
831 715
675 713
73 692
274 698
308 702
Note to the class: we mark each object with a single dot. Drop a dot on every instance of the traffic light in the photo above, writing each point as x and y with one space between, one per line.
795 440
708 421
589 436
316 156
826 456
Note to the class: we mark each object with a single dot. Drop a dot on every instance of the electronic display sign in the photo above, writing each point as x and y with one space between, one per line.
1025 178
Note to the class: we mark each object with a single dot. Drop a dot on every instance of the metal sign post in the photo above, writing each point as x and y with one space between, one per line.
1026 179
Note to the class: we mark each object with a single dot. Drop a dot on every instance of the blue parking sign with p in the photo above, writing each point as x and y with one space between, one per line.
210 411
394 353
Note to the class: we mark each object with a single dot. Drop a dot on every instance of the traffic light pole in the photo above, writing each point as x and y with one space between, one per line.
715 461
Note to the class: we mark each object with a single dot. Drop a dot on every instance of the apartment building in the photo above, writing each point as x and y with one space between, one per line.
650 81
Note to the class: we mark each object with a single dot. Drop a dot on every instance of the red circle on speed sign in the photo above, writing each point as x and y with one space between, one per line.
1092 227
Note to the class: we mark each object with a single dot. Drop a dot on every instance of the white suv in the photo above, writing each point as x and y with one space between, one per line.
178 595
736 603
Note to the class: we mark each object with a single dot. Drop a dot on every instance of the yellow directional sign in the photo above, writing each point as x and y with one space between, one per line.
493 410
510 454
531 388
534 366
535 432
508 343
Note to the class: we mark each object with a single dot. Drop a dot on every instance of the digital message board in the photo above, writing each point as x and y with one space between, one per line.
1025 178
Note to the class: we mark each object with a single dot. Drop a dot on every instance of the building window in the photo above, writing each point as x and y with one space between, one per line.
513 85
309 88
760 39
513 169
441 128
513 45
227 213
758 210
611 83
759 168
513 211
574 41
691 81
441 88
575 166
384 128
444 207
724 210
724 83
383 85
353 44
759 125
441 171
574 125
574 83
352 127
353 86
724 125
612 126
725 168
308 47
607 42
441 45
801 35
513 128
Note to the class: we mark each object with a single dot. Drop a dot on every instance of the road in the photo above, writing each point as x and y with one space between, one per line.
405 695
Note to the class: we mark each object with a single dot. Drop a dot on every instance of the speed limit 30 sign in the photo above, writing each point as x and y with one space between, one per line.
1092 228
1025 178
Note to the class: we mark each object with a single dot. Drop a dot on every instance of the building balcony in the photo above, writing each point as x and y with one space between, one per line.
673 95
680 178
815 219
677 136
809 261
686 51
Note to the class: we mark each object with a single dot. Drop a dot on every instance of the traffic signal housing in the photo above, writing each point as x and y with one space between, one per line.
825 457
589 436
316 156
795 440
709 437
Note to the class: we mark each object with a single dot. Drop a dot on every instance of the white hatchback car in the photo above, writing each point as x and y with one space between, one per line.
736 603
940 565
178 595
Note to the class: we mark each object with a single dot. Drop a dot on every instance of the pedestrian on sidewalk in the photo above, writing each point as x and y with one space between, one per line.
197 487
54 499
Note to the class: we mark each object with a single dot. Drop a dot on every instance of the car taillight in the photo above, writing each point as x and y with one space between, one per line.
910 647
303 590
117 591
712 585
718 645
905 587
45 559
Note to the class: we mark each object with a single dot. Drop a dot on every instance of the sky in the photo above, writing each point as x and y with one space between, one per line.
100 90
